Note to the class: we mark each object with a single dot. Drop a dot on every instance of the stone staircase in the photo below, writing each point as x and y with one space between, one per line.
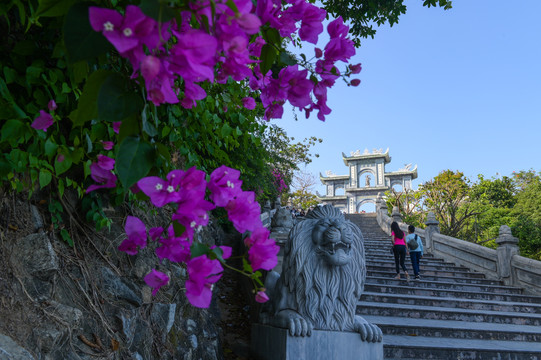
451 313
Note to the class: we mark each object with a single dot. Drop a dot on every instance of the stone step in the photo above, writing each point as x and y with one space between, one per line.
372 271
497 289
390 265
425 277
451 313
406 289
455 329
443 313
420 347
472 304
390 258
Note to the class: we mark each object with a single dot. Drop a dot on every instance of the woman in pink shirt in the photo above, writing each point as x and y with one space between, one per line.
399 249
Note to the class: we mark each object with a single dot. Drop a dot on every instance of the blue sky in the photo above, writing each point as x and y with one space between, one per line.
457 89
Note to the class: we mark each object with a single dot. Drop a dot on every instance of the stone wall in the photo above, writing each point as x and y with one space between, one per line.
504 263
89 301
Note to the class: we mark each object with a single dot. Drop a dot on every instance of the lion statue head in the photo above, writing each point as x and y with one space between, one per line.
323 275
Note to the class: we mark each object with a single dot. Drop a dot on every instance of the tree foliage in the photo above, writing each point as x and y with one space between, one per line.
447 195
303 196
364 14
476 211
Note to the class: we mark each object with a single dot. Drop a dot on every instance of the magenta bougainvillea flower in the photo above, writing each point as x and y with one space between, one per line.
160 191
355 69
339 47
127 32
116 126
311 18
156 280
51 105
107 145
137 236
192 213
263 250
224 185
43 121
244 212
101 172
202 274
261 297
174 248
248 103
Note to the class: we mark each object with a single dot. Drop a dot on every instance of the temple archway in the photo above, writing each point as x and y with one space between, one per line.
366 205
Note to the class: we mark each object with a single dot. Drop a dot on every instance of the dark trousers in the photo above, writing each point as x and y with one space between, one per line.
399 257
415 256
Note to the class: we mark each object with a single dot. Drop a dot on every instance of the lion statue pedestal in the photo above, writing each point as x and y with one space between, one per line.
311 312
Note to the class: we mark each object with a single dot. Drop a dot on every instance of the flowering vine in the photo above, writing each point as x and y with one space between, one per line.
226 41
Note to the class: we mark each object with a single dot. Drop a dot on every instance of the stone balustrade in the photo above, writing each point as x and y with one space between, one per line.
504 263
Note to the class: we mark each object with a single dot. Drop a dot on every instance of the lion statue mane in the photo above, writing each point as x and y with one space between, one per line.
323 275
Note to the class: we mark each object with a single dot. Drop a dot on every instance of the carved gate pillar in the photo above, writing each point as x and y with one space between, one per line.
507 248
431 229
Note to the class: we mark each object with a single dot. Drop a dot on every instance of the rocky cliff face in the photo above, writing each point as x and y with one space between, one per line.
89 301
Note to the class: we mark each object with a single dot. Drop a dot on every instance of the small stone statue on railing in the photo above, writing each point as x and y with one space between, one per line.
322 279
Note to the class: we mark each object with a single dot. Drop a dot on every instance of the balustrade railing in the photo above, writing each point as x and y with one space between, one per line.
504 263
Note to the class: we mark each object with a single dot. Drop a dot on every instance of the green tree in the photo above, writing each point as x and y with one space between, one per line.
498 192
527 212
447 195
410 205
303 196
528 195
364 14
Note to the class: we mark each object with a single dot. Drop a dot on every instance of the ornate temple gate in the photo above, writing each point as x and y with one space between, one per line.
366 179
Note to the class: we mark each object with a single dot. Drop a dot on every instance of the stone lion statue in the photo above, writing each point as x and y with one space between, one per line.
322 279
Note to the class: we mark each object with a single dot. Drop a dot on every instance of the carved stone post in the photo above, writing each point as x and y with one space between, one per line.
396 215
431 229
381 208
507 247
267 206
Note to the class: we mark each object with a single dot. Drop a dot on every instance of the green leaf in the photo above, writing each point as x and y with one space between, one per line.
198 249
246 266
147 125
5 168
129 127
50 147
114 101
89 146
10 75
217 253
230 4
62 167
66 237
80 71
134 160
157 9
81 41
88 109
45 178
54 7
226 130
61 187
287 59
178 228
268 56
13 131
272 36
6 96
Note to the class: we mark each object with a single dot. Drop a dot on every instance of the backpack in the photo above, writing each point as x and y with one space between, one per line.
413 244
